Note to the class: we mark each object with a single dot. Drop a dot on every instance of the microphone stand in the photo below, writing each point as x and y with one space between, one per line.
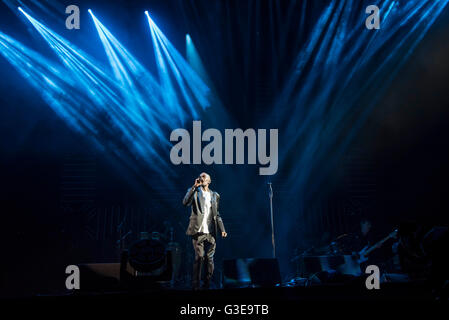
270 194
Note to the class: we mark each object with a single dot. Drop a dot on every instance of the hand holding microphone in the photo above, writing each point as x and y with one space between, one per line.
198 182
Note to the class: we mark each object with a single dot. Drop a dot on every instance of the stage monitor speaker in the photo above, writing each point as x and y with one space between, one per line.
250 272
99 276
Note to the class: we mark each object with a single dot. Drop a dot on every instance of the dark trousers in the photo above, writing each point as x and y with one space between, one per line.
204 246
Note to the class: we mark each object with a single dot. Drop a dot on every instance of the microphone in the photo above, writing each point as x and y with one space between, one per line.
198 180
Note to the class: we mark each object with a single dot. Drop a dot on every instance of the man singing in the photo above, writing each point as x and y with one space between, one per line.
203 226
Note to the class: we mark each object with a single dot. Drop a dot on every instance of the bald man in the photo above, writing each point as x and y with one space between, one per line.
203 227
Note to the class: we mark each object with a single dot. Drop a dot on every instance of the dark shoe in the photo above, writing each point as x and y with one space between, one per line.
206 285
195 286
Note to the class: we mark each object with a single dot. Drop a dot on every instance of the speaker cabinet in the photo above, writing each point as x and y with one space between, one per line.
99 276
250 272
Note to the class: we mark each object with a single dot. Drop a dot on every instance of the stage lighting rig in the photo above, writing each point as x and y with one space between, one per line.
147 263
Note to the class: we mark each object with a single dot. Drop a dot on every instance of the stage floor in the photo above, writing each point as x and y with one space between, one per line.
350 301
329 292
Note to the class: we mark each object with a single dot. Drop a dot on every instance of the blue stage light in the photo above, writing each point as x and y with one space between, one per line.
134 119
56 87
170 97
195 61
319 105
165 106
187 79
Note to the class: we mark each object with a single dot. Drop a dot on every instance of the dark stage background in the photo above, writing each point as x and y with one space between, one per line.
394 169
